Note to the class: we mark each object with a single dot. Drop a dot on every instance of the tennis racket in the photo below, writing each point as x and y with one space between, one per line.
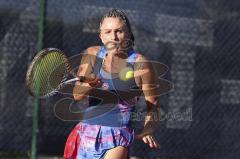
49 71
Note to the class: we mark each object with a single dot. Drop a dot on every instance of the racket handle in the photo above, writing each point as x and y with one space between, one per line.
69 81
81 79
86 79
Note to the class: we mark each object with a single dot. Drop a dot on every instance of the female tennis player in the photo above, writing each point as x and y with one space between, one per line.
118 68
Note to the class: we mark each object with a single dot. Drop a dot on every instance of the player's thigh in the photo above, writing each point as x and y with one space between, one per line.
118 152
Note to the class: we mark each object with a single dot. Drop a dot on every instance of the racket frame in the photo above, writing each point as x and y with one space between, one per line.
33 64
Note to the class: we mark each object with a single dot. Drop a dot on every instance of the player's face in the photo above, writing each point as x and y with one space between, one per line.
112 31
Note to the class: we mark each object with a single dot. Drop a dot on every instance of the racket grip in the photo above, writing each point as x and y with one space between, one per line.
86 79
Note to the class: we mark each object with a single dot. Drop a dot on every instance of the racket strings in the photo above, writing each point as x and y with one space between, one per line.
49 73
59 73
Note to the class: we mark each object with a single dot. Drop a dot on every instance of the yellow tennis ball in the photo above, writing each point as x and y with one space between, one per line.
129 74
126 73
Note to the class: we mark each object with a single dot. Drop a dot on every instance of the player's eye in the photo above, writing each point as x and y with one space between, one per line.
119 31
107 32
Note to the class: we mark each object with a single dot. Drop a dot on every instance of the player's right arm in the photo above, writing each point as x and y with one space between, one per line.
82 89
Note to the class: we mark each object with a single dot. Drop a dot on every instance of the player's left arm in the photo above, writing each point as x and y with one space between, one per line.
149 85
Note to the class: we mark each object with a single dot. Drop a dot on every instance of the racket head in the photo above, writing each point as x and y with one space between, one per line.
46 72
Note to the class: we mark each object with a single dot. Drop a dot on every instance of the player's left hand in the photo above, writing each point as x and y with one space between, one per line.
149 139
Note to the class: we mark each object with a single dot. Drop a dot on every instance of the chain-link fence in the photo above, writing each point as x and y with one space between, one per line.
198 40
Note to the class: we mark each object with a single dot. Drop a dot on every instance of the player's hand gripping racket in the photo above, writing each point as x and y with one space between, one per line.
49 72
